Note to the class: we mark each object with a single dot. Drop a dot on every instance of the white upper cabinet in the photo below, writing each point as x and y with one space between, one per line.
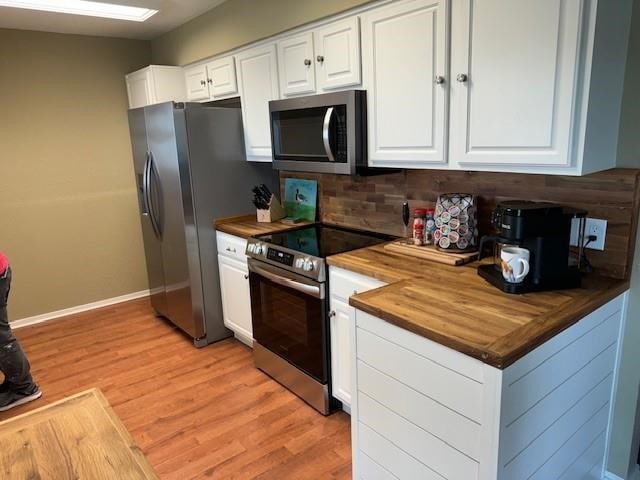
533 88
257 84
213 80
326 59
196 81
514 63
155 84
404 47
139 89
221 77
338 55
296 65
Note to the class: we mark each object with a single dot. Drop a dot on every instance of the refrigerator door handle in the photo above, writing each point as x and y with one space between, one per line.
154 214
145 186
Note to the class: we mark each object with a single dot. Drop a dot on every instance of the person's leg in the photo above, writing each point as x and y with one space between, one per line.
18 386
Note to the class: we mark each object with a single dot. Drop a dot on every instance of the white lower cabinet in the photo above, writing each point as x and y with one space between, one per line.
422 410
343 284
234 286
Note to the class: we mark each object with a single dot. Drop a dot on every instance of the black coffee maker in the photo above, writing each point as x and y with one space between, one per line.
545 230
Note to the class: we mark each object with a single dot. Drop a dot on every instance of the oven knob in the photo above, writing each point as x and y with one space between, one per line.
299 262
263 249
308 265
251 248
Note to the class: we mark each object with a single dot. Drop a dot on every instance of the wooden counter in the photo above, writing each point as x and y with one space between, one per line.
456 308
246 226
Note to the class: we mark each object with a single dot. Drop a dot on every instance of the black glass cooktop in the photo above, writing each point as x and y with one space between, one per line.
323 240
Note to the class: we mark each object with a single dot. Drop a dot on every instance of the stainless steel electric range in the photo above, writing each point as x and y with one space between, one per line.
289 305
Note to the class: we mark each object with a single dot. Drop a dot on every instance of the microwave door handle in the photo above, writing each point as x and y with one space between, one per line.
325 134
315 291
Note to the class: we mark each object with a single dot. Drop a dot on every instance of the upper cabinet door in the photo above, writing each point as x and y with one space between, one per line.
514 66
139 88
196 82
404 49
296 65
338 54
258 84
221 77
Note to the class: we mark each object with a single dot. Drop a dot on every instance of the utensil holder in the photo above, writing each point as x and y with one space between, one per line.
274 213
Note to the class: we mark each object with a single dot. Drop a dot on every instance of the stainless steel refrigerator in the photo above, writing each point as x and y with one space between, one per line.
190 168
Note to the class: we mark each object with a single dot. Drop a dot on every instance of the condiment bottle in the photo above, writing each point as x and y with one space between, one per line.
418 225
429 227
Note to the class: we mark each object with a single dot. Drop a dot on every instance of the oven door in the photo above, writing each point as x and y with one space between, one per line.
289 317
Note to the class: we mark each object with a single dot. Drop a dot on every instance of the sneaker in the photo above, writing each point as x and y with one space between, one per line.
10 398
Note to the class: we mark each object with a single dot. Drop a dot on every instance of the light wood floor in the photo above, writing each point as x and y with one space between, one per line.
195 413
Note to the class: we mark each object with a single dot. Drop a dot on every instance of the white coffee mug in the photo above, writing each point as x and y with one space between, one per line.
515 263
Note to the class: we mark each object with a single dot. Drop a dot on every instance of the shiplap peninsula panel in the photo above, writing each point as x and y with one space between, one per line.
421 410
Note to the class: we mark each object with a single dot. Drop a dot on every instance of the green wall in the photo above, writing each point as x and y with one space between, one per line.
68 214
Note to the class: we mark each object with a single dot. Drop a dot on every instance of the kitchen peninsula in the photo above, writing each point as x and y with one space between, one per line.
452 378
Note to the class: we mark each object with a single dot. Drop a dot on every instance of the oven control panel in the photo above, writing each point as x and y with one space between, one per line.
280 257
297 262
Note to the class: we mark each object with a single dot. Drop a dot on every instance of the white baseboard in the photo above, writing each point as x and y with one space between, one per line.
45 317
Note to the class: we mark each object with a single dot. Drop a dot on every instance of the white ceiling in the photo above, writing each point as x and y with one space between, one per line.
171 13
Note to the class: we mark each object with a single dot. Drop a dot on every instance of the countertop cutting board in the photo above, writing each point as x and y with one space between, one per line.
430 252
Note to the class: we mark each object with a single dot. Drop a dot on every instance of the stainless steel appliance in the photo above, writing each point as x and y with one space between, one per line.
545 230
289 306
190 168
320 133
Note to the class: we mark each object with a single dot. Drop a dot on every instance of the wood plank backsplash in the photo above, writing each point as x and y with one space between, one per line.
375 203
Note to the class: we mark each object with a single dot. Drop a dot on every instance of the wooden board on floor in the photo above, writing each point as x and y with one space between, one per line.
76 437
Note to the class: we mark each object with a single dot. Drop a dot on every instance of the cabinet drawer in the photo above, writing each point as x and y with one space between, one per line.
232 246
343 283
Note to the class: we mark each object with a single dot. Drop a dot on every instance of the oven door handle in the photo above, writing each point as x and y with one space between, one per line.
325 134
316 291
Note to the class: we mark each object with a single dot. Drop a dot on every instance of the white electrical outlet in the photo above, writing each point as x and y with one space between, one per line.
595 227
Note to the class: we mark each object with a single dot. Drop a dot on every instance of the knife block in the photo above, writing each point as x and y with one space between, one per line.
274 213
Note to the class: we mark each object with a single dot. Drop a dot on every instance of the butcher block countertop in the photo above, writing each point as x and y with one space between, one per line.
456 308
246 226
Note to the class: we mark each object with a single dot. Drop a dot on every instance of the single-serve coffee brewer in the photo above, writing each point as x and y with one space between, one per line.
544 229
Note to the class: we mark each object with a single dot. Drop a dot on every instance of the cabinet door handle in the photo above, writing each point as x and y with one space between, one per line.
332 313
229 249
307 62
203 83
320 58
462 77
439 79
246 276
209 81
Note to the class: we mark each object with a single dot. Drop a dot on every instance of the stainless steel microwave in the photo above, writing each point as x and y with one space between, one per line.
324 133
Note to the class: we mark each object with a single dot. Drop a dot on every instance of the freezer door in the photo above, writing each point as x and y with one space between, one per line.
172 207
152 244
